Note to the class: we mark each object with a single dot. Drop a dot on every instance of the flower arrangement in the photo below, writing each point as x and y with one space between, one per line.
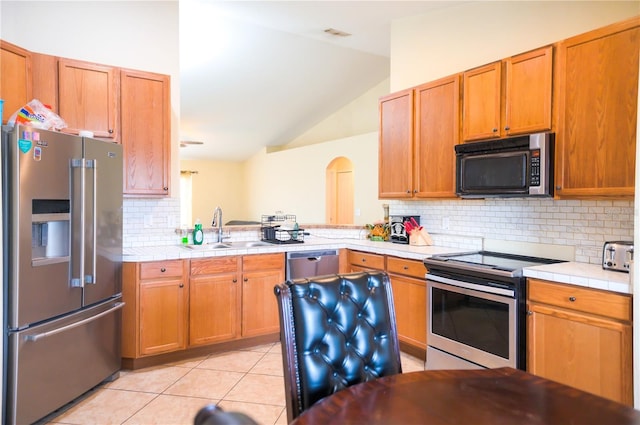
378 231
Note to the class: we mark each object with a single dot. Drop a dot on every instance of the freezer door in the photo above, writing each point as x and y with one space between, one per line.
37 224
103 220
52 364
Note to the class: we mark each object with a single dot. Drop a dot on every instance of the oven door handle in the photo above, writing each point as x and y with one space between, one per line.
472 286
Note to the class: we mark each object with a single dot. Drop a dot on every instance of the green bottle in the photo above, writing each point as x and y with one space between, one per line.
198 235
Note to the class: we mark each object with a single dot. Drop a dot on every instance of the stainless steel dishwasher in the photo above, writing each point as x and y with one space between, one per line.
311 263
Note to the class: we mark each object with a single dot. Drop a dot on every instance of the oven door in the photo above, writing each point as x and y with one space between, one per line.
473 322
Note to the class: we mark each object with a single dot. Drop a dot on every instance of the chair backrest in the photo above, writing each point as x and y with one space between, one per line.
335 331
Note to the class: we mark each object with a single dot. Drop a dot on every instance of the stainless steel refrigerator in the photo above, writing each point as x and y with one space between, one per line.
62 248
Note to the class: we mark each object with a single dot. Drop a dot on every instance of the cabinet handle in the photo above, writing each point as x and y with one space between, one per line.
162 269
529 313
165 188
558 187
572 299
495 130
364 260
235 280
181 285
408 190
246 279
405 268
110 131
507 128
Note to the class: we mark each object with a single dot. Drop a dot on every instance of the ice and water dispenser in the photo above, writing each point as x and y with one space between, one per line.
50 236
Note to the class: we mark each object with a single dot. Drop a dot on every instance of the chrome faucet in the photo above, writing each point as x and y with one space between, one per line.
217 222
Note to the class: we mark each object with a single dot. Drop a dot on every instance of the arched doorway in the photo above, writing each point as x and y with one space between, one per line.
339 180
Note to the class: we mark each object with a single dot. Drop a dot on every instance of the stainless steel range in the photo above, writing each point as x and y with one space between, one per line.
476 310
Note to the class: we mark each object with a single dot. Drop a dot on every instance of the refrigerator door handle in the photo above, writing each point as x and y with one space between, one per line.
93 164
39 336
78 282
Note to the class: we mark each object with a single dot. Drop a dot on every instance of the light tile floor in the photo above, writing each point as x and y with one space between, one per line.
248 381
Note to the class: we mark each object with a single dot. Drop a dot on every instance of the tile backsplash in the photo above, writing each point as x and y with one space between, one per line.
150 222
584 225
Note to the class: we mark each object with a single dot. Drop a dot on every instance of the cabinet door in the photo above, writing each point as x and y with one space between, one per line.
396 146
146 132
437 131
15 78
410 299
597 118
260 274
481 110
163 312
589 353
259 304
528 92
87 96
214 307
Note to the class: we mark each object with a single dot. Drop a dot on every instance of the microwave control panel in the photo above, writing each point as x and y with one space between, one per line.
535 168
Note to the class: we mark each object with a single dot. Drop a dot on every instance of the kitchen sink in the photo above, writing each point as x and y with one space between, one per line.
219 245
207 246
249 244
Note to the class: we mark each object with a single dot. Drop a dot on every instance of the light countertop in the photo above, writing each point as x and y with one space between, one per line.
581 274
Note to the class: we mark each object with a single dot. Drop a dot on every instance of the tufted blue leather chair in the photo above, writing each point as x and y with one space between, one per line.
335 331
214 415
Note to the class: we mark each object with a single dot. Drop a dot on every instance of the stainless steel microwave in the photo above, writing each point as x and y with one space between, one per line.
515 167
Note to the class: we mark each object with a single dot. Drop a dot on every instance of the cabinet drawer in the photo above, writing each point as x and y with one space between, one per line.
413 268
362 259
215 265
263 262
156 269
593 301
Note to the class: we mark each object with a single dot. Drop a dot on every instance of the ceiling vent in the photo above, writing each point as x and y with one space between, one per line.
336 32
185 143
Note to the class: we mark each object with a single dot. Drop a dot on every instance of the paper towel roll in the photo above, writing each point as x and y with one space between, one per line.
57 239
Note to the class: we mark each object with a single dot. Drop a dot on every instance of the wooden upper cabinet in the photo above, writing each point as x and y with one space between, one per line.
87 97
481 110
597 112
146 132
395 157
529 92
509 97
15 78
437 131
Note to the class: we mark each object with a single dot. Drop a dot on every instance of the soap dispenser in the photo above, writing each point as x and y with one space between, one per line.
198 235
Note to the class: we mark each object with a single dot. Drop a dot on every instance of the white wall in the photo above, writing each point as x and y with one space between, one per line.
427 47
217 183
293 181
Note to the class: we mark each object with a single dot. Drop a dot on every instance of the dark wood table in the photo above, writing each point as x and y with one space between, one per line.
488 396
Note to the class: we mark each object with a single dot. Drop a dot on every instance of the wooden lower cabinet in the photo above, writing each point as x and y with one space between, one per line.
581 337
260 274
409 295
214 301
155 311
187 305
410 298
